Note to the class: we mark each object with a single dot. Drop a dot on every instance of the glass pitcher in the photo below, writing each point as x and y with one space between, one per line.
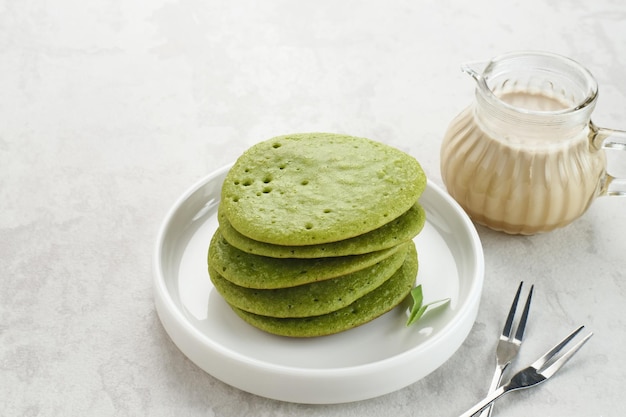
525 157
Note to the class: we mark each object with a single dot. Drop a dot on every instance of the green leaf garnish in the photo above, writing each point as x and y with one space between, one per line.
418 310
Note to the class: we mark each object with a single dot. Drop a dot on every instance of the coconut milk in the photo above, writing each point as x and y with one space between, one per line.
517 182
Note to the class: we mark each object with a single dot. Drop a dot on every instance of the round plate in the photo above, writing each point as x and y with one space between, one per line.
371 360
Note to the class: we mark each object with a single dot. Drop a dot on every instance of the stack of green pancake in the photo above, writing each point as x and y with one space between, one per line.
316 233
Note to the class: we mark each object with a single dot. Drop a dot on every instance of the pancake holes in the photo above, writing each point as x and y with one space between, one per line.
308 226
326 211
259 194
267 190
267 179
247 183
304 182
282 166
246 170
277 145
235 199
315 300
236 182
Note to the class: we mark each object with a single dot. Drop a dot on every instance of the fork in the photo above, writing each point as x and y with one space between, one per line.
542 369
508 346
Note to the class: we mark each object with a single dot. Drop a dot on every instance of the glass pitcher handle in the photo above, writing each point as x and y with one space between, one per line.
614 186
603 138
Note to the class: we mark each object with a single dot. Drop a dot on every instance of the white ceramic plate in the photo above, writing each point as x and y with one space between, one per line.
374 359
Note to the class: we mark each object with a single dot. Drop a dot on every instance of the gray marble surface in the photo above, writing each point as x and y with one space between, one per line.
110 109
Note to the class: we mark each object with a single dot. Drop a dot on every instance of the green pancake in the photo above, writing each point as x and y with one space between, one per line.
312 299
262 272
314 188
374 304
399 230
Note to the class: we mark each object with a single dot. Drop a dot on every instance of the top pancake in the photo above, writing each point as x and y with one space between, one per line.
314 188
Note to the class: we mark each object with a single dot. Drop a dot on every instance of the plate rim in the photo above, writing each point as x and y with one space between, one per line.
171 316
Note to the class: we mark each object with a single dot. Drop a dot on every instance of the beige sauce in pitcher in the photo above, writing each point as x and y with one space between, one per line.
533 101
501 178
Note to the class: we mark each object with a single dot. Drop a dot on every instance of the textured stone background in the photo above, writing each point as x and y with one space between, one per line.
110 109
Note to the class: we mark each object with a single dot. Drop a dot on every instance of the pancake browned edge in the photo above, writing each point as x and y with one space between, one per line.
365 309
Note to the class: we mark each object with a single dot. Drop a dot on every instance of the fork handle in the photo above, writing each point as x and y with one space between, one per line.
495 383
491 397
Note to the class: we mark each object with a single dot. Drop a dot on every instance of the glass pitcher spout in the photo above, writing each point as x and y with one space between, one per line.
475 69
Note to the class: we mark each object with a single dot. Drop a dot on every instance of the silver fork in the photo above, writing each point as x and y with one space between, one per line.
542 369
508 346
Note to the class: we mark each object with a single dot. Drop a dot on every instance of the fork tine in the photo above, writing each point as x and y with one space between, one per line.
541 362
519 333
509 320
556 365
